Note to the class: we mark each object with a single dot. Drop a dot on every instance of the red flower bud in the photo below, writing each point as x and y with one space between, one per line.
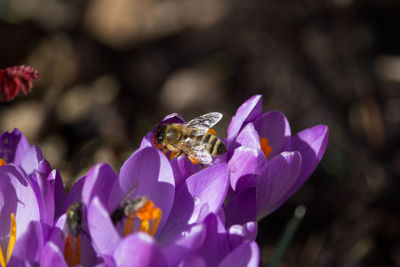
15 79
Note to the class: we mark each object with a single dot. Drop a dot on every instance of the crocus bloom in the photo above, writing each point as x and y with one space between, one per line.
178 233
264 154
15 79
62 248
47 183
21 231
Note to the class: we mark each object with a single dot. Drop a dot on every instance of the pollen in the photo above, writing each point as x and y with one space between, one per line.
11 242
2 162
194 161
212 131
149 216
265 147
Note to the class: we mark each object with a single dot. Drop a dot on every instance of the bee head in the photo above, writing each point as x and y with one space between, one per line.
159 136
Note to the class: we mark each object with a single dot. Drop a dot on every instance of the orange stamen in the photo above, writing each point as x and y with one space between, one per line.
212 131
130 224
11 242
265 147
72 254
150 217
2 162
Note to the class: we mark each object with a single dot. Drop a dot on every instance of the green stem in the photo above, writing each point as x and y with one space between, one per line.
287 235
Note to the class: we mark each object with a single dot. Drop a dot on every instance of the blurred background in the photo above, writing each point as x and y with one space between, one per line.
111 70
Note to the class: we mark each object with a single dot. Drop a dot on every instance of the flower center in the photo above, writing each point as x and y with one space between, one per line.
149 216
11 242
2 162
265 147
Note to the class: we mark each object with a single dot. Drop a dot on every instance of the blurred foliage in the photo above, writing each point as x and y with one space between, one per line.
110 70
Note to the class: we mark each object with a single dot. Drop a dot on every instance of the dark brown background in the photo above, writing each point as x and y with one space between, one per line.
110 70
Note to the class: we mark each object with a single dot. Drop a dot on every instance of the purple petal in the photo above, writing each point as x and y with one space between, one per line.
33 160
30 243
275 127
240 233
98 182
88 254
45 194
184 244
249 137
247 112
216 244
52 256
193 260
57 232
247 254
172 118
242 208
16 196
74 194
147 140
279 176
206 188
139 249
183 168
244 167
102 231
150 171
60 196
311 143
13 146
106 261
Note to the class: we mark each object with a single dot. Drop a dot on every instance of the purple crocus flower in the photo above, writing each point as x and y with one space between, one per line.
178 233
167 231
263 154
47 183
21 229
62 248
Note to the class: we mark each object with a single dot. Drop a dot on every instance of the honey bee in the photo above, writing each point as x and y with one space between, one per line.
126 208
192 138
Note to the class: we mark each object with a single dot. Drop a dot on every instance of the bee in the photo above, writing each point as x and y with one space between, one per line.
74 230
74 219
126 208
192 138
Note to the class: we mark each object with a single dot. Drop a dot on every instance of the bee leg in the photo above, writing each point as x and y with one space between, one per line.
175 154
194 161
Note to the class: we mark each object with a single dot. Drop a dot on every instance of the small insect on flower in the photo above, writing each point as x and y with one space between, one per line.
192 138
74 218
140 209
126 208
72 250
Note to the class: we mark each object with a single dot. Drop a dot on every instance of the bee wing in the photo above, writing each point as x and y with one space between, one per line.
205 122
129 194
196 152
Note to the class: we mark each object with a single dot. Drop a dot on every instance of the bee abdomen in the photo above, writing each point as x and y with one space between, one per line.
216 147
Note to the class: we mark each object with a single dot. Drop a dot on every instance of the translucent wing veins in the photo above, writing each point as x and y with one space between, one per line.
205 122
